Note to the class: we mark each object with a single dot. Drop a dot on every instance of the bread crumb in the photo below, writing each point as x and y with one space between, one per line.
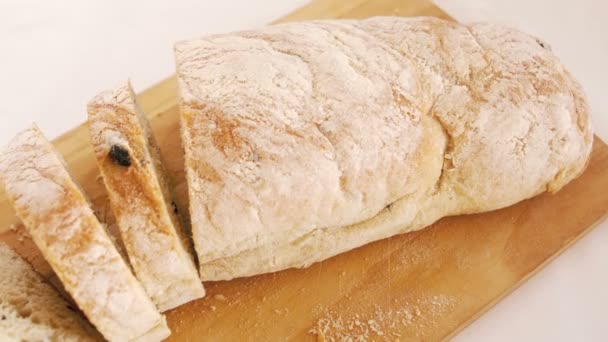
283 311
213 308
319 333
22 234
382 323
220 297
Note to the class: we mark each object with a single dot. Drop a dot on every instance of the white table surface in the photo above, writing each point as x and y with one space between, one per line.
55 55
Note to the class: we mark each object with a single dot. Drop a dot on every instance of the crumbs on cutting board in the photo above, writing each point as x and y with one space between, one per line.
282 312
220 297
20 231
381 324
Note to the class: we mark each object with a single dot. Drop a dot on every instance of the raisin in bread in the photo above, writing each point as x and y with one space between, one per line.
62 224
141 200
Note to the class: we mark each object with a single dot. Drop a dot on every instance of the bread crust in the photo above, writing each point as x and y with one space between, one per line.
305 140
61 223
140 198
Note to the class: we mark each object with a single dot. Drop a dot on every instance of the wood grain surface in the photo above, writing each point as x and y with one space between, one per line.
418 286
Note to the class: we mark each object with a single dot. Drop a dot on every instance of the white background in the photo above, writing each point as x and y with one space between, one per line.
55 55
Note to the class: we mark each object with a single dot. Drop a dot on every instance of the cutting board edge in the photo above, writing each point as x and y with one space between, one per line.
527 277
158 99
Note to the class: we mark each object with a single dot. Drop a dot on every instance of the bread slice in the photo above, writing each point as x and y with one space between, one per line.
304 140
62 224
31 310
141 200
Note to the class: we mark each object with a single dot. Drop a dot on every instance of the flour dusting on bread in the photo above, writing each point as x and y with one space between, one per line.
140 197
304 140
60 221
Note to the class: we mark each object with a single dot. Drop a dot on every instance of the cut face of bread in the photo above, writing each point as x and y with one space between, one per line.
140 197
31 310
60 221
305 140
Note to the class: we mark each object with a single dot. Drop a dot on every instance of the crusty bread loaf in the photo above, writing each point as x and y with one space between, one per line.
305 140
63 226
31 310
130 164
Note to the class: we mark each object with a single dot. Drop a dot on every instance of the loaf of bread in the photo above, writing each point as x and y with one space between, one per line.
305 140
62 224
31 310
134 176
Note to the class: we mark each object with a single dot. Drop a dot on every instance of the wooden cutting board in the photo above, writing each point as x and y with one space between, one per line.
425 285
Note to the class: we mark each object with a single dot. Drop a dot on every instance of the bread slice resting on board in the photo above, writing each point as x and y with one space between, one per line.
32 310
62 224
141 200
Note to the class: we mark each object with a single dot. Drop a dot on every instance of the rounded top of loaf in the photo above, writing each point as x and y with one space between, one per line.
325 124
